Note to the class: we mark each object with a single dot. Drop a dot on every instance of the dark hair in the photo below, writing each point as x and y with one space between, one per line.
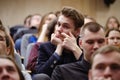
51 28
109 30
105 50
74 15
1 23
25 20
11 59
92 27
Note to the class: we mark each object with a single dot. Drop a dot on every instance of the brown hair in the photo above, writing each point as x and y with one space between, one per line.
9 41
109 30
43 21
74 15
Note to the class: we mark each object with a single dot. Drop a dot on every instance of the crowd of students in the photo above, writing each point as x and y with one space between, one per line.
63 45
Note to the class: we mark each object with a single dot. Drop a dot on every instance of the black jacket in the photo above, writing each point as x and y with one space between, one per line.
73 71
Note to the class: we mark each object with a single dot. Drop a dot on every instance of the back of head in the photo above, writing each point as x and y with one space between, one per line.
74 15
88 19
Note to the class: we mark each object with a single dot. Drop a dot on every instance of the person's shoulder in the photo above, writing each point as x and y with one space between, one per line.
48 43
69 65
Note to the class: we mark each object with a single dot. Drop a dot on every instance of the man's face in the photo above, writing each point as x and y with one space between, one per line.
106 67
64 25
3 46
8 70
90 42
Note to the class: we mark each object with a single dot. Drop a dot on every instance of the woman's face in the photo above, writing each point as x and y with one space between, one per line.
49 18
114 38
112 23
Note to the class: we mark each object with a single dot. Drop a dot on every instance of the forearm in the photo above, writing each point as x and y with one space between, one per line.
59 49
47 66
77 52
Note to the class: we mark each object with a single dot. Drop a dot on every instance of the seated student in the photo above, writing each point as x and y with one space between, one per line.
15 29
105 64
63 46
34 51
92 38
9 69
113 37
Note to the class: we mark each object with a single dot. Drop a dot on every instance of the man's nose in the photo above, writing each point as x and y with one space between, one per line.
5 72
115 40
107 72
96 46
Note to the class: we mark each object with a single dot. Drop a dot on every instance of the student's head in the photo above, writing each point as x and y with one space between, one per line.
46 19
113 37
27 21
92 38
88 19
105 64
35 20
6 45
69 20
112 22
9 70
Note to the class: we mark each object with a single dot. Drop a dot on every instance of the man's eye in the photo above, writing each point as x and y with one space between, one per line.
90 42
118 38
10 69
101 41
100 67
115 67
112 38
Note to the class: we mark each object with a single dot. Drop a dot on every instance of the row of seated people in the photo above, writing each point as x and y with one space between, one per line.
42 70
62 48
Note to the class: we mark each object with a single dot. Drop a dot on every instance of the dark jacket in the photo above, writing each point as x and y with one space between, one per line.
48 59
73 71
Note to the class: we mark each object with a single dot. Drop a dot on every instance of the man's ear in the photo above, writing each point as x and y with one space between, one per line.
80 43
106 40
77 32
8 50
90 75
